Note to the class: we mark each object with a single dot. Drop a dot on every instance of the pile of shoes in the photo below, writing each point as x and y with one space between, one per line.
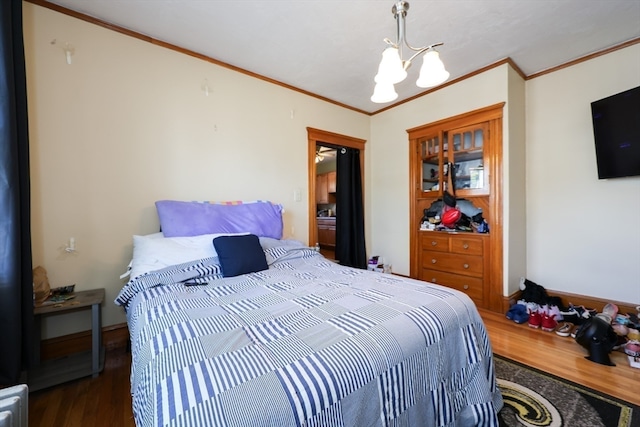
536 307
574 317
626 327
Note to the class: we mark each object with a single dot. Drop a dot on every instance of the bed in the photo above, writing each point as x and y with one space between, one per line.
302 342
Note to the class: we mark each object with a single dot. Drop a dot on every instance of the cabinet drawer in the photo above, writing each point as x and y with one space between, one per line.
434 241
452 263
471 286
466 245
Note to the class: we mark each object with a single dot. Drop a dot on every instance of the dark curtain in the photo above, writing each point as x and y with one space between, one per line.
350 245
16 288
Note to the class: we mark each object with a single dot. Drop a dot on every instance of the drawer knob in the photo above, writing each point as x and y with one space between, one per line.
433 243
433 260
466 287
433 280
466 246
466 265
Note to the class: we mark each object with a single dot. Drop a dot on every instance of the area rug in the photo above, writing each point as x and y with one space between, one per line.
533 398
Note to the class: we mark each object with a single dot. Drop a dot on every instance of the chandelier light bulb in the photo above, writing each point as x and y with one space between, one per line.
384 92
393 69
390 69
432 72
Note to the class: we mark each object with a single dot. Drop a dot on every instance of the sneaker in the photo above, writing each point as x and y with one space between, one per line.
553 309
565 329
531 306
577 314
548 322
610 310
535 319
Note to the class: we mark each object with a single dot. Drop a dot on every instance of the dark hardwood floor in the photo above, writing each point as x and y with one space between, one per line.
106 401
93 402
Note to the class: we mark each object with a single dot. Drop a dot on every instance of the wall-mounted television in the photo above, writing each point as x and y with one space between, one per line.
616 129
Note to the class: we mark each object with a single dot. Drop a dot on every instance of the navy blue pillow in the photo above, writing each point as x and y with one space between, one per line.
240 254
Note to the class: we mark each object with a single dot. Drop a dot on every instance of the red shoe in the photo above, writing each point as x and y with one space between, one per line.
548 322
535 319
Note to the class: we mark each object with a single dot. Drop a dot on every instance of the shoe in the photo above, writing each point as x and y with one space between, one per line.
518 313
577 314
535 319
565 329
512 310
610 310
548 322
632 348
553 309
620 330
531 306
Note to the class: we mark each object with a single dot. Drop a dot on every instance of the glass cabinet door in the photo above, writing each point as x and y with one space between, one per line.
464 148
466 152
430 157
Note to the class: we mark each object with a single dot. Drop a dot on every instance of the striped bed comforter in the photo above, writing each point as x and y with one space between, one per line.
305 343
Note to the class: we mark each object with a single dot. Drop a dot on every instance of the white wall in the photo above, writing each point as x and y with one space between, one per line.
127 124
582 233
514 184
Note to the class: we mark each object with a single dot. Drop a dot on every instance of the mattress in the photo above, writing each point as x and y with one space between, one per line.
306 342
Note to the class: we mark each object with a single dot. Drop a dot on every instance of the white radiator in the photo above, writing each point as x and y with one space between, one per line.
14 406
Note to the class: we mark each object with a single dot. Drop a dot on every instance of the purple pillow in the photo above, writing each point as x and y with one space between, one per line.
178 219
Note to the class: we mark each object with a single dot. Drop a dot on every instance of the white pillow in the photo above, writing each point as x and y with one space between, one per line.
154 251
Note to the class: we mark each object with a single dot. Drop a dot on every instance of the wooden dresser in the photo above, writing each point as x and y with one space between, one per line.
456 260
469 147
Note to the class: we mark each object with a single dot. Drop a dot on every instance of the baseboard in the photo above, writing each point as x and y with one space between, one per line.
575 299
114 336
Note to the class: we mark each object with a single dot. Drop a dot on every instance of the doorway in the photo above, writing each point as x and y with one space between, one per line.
321 142
326 160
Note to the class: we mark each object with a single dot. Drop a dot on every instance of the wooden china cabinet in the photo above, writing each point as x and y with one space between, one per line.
470 147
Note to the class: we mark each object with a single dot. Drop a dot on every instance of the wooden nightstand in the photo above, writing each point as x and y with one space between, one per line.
56 371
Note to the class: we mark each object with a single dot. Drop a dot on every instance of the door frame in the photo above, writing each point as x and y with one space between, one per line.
314 137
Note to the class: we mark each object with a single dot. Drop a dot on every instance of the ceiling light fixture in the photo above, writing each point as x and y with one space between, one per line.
393 69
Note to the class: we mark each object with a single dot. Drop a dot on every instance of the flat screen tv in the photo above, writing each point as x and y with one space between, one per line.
616 129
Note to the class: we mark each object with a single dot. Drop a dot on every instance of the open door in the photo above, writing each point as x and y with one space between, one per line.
323 138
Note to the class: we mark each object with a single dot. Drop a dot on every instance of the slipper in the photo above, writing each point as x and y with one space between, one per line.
521 317
512 311
518 313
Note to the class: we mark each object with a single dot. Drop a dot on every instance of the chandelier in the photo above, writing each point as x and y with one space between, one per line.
393 69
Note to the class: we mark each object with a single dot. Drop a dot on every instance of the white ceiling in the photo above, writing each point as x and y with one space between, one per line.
332 47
